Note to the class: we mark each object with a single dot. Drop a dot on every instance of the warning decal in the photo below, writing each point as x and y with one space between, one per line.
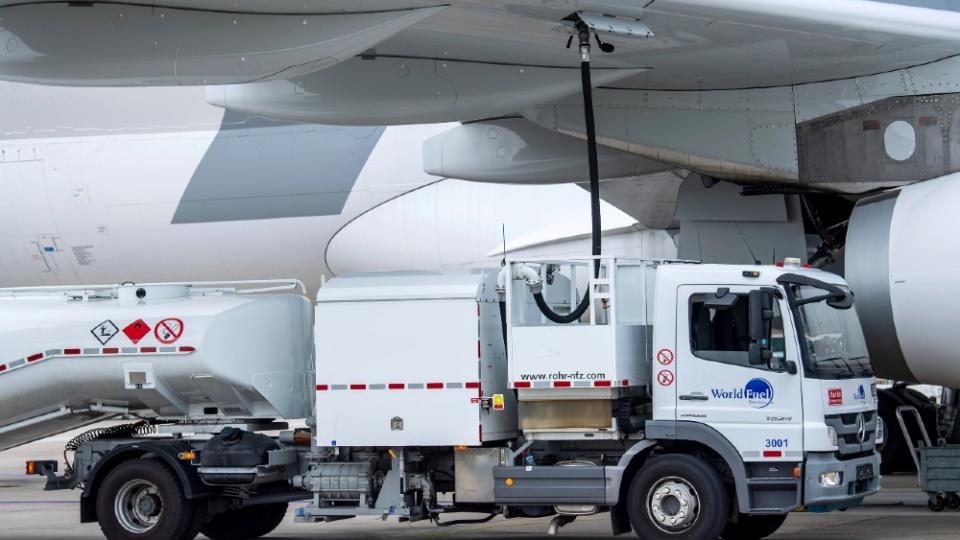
665 378
665 357
105 331
168 331
136 330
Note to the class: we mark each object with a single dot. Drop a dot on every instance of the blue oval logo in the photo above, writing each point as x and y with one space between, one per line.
759 393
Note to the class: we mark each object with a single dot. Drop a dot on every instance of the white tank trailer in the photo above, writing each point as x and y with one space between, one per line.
73 356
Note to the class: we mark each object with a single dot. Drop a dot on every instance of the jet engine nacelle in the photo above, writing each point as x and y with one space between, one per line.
902 261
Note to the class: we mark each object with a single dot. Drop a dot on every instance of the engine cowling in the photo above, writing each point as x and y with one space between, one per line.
901 262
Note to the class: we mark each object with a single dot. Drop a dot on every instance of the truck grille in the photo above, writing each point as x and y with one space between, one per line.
849 432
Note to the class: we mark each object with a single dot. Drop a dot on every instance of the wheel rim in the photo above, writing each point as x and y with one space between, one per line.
673 505
138 506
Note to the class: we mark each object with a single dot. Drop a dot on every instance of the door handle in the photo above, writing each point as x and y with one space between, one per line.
694 397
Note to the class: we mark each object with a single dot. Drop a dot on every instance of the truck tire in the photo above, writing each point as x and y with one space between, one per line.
142 499
678 496
753 527
243 523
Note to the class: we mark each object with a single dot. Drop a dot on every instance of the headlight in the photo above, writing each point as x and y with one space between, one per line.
832 434
881 431
831 479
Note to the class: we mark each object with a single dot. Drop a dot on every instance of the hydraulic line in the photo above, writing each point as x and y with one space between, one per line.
134 430
583 33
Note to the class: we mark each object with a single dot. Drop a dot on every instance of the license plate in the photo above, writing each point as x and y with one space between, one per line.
865 471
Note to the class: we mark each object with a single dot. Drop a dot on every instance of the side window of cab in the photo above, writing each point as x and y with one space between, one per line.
720 329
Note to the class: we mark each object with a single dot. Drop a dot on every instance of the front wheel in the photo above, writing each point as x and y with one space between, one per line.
753 527
244 523
142 499
678 497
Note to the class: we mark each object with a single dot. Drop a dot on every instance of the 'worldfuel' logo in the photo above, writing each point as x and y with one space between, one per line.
757 392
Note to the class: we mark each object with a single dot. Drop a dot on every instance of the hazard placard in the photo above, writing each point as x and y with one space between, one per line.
136 330
168 331
105 331
665 357
665 377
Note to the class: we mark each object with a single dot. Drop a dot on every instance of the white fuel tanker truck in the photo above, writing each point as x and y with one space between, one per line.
902 249
690 400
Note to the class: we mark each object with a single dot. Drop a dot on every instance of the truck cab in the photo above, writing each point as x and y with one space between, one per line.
771 359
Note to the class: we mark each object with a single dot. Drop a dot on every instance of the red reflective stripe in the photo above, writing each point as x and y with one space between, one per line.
187 349
111 350
473 385
602 383
71 351
434 385
521 384
3 367
148 349
34 357
395 386
626 382
772 453
322 387
562 384
358 387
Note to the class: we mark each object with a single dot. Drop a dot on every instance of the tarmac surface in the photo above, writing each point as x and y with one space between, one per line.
898 512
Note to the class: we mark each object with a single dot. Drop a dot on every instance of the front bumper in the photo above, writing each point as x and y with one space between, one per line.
850 491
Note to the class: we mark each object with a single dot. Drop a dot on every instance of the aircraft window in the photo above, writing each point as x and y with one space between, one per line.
723 335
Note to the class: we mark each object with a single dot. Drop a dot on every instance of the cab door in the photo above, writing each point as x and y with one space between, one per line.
756 405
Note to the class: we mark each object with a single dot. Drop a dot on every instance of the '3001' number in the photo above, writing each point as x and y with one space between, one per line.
776 443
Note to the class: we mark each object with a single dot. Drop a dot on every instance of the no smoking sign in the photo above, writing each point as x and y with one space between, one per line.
168 331
665 357
665 377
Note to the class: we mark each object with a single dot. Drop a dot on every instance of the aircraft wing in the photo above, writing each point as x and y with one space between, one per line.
691 44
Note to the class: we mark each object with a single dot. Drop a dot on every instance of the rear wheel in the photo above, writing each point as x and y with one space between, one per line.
753 527
243 523
142 499
678 496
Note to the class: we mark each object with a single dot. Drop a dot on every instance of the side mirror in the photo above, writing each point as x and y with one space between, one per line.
761 313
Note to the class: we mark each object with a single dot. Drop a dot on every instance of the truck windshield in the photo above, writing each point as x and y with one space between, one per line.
832 336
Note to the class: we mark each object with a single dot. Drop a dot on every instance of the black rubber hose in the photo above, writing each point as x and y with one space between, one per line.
556 317
590 122
595 224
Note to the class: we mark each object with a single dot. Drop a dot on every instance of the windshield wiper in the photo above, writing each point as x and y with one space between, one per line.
838 362
866 368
